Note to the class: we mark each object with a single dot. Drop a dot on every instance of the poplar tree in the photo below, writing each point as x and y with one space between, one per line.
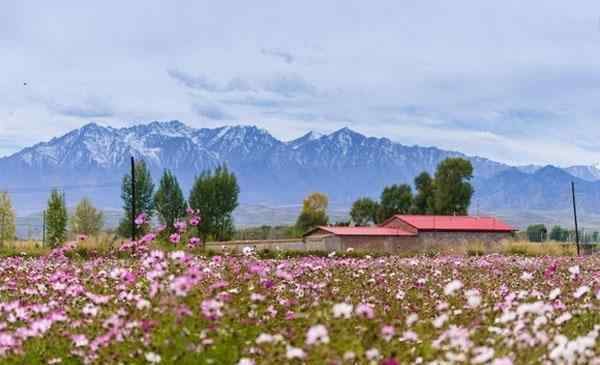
215 194
169 201
7 219
144 191
86 219
56 219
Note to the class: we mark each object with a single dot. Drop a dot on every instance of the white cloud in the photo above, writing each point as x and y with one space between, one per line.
510 80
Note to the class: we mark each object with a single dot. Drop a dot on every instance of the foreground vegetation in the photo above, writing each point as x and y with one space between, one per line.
153 306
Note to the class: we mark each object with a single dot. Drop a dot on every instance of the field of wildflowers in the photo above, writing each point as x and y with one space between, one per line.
150 306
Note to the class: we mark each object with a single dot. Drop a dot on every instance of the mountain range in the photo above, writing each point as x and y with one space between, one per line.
345 165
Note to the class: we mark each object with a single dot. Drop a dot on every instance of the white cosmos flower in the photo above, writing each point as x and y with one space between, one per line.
247 251
295 353
440 320
317 334
482 355
152 357
473 298
563 318
411 319
264 338
574 270
581 291
554 294
343 310
452 287
372 354
526 276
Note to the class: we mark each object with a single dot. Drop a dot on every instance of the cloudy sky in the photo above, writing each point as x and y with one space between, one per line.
515 81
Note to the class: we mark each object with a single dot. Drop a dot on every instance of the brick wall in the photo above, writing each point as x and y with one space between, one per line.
424 241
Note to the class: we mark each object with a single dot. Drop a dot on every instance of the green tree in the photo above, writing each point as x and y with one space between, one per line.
557 233
56 219
424 198
537 233
144 203
215 195
86 219
314 212
453 191
364 211
7 219
169 201
395 199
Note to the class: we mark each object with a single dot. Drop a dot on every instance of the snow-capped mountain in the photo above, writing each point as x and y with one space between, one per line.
91 161
589 173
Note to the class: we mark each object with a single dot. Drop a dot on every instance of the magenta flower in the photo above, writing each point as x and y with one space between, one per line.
141 219
388 332
195 220
180 226
148 238
365 310
175 238
195 241
211 309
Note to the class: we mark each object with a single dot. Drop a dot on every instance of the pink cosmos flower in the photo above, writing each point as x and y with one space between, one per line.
317 335
175 238
211 309
148 238
195 241
180 226
387 332
141 219
80 340
195 220
181 285
365 310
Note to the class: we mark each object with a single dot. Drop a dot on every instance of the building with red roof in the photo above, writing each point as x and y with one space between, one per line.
411 232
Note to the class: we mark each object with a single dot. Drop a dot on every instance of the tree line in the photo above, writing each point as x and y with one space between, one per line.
85 220
214 194
540 233
448 192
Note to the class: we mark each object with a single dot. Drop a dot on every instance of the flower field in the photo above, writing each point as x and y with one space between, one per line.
174 307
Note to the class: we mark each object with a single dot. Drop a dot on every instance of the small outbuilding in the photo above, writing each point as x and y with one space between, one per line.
411 233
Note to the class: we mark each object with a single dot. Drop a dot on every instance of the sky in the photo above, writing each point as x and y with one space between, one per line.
514 81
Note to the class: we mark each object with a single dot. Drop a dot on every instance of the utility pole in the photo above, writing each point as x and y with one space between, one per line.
575 216
133 215
44 228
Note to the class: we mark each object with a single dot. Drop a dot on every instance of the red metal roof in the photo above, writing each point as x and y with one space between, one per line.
454 223
363 231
